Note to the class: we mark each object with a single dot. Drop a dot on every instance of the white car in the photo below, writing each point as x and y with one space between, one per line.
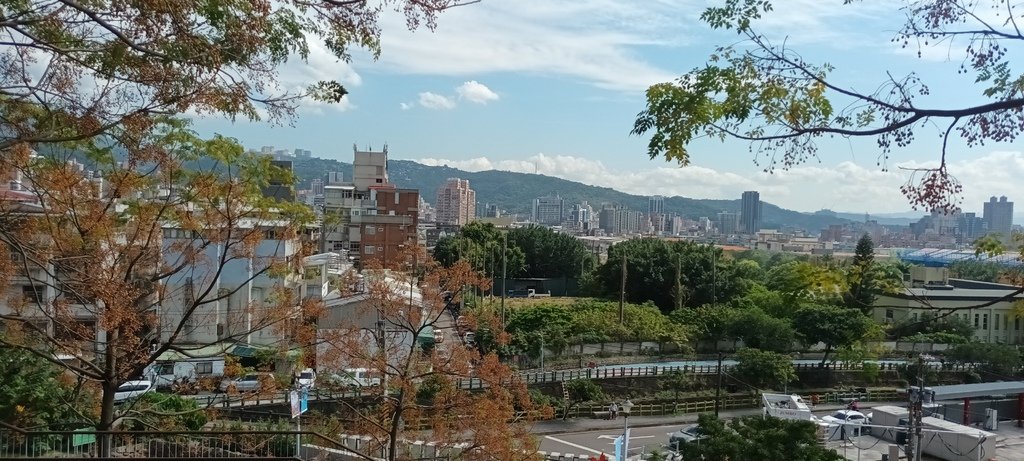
846 422
306 378
132 389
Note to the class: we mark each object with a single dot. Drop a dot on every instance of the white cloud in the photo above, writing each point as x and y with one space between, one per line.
846 186
406 105
605 42
474 91
590 40
436 101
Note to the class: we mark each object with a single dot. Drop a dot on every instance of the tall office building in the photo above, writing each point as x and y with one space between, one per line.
655 205
549 210
317 185
750 212
582 216
998 217
456 202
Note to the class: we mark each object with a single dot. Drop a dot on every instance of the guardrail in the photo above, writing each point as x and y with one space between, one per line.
539 377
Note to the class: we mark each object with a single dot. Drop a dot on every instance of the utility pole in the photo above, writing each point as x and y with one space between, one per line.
504 267
915 414
622 291
718 388
679 281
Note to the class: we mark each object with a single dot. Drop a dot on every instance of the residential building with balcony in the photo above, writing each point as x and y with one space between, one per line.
369 218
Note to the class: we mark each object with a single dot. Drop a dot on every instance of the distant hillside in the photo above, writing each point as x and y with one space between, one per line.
514 192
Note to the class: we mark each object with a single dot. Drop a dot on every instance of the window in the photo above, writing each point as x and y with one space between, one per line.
32 293
1016 324
889 314
995 322
370 230
976 317
369 249
204 368
984 321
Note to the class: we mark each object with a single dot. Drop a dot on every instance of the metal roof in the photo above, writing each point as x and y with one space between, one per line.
963 391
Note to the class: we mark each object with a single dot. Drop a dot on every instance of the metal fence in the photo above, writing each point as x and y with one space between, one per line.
539 377
249 444
146 444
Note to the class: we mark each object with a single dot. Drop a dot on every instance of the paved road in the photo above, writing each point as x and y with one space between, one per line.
642 439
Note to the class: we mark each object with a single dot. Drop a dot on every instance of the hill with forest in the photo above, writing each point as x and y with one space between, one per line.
515 192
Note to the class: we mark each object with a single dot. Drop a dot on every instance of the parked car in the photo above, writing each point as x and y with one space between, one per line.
690 433
132 389
355 377
470 338
306 378
253 382
438 336
846 422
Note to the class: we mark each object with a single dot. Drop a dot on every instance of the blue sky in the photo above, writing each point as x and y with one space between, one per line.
553 87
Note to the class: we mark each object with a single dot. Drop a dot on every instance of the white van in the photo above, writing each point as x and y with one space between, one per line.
355 377
163 374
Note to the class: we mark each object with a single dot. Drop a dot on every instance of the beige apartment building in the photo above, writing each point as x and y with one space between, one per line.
456 202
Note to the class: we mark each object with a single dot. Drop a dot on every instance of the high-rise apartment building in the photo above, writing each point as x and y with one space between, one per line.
335 177
615 220
655 205
317 186
969 227
549 210
728 223
456 202
998 216
750 212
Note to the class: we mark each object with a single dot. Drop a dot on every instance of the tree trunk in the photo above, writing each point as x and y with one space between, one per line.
824 358
108 387
396 427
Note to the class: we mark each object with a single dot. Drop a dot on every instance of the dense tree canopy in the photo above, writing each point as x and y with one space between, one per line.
764 369
653 267
549 253
834 326
763 91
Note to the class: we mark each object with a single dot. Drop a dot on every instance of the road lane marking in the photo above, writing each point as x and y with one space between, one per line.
613 437
566 442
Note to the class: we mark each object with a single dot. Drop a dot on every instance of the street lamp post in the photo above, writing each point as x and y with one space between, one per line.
626 407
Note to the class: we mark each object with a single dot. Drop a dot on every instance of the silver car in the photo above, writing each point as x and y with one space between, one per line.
689 433
248 383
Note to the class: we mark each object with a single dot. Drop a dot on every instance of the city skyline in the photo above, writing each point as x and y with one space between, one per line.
464 94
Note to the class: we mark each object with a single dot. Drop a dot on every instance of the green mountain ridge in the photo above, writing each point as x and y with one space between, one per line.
515 192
